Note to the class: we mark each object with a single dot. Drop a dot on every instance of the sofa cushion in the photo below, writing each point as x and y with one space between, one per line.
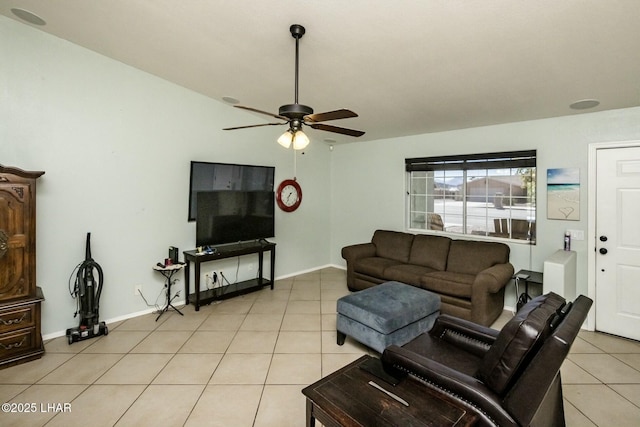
430 251
448 283
373 266
471 257
392 244
518 341
406 273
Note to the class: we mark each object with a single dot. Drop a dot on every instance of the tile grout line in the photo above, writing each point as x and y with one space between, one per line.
600 340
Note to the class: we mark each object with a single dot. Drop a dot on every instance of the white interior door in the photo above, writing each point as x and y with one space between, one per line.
618 241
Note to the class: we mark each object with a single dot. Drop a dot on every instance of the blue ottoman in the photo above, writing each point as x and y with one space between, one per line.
390 313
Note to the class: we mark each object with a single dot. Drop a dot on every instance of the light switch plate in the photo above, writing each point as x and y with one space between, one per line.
576 234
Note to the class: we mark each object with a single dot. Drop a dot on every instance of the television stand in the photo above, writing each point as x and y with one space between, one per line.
199 297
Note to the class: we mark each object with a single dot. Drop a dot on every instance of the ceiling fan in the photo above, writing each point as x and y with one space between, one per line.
296 115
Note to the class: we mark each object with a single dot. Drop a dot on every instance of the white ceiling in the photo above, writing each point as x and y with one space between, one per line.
406 67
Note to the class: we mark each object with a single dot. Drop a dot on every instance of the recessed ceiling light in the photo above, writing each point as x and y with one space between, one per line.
30 17
584 104
230 100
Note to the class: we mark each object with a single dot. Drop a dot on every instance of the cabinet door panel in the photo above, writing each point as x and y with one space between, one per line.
15 241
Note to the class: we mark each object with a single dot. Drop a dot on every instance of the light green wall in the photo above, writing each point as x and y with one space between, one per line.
368 178
115 144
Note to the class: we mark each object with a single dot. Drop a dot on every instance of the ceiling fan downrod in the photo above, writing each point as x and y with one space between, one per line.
296 110
297 31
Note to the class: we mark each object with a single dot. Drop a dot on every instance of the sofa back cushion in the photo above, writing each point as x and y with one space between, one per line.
430 251
392 244
471 257
518 342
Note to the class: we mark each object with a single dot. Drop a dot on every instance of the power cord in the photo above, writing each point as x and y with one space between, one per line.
155 305
515 307
76 288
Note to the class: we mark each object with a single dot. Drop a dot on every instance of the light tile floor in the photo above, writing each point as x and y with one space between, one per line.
243 362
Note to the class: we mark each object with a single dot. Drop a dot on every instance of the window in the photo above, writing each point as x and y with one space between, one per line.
491 194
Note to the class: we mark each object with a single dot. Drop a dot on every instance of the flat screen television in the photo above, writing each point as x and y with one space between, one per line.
234 216
206 176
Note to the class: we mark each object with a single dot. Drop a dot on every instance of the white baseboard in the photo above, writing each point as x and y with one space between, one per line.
182 302
112 320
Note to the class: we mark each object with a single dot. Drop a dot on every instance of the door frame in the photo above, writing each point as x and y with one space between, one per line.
591 221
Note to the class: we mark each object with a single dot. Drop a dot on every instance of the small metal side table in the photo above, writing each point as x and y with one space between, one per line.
533 277
168 272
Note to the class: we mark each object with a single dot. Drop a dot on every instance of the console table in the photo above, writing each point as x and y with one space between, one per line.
347 398
199 297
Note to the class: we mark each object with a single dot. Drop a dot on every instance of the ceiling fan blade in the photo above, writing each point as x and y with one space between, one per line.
335 129
255 126
261 112
295 114
330 115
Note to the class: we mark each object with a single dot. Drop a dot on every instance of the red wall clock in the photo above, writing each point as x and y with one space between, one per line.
289 195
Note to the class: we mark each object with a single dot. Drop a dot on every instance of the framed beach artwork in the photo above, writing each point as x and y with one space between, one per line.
563 194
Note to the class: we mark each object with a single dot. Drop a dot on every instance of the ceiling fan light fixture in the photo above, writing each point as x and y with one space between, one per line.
300 140
285 139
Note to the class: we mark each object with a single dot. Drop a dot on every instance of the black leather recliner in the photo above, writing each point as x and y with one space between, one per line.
509 377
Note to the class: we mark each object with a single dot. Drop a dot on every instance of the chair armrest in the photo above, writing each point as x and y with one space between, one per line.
466 389
466 335
494 278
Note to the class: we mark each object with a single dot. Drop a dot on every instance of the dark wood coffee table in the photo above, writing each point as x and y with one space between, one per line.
345 398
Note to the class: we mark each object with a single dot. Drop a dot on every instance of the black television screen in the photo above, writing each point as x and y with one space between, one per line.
205 176
234 216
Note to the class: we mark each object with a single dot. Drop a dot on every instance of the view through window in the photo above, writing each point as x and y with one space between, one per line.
491 194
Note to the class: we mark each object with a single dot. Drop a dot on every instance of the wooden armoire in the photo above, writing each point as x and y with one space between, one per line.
20 298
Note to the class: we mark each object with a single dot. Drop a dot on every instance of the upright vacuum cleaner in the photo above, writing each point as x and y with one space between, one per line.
87 290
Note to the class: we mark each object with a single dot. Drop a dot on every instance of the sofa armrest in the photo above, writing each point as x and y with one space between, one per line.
494 278
361 250
466 335
351 254
462 387
487 293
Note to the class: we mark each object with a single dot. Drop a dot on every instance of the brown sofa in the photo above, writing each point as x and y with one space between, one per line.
470 276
